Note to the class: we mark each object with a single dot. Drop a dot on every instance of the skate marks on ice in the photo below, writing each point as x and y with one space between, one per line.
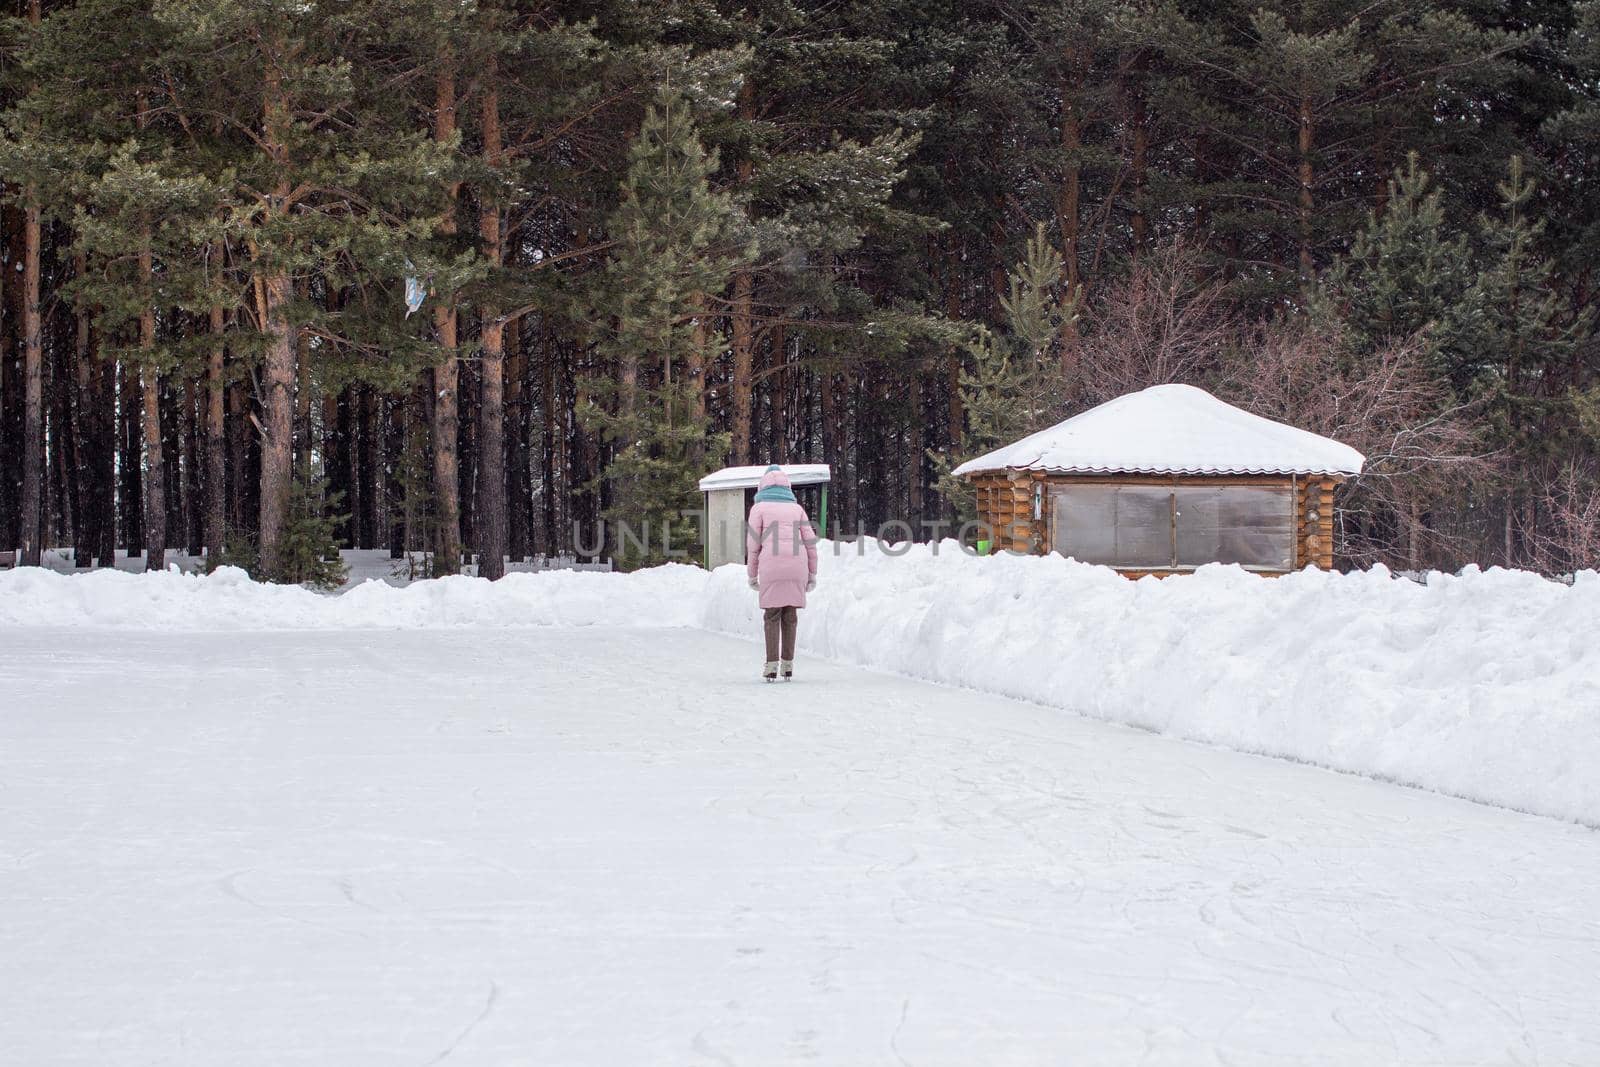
412 848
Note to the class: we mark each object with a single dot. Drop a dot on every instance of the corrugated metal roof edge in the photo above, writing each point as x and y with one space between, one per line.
1219 471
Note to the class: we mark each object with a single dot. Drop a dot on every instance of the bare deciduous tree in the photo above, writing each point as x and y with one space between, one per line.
1421 446
1157 325
1569 540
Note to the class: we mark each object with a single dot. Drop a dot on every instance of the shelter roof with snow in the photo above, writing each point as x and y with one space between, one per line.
1171 429
750 476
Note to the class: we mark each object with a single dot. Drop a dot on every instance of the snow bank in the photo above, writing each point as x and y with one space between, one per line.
1486 685
229 600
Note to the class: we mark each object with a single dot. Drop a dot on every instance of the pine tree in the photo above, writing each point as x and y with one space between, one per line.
1405 275
1574 131
537 84
82 120
1303 105
143 222
1086 69
310 549
260 89
675 241
1521 339
810 171
1517 342
1016 385
231 192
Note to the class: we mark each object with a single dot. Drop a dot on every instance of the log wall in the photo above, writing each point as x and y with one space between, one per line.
1314 518
1005 506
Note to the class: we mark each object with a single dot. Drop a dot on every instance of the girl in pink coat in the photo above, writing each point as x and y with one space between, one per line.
781 557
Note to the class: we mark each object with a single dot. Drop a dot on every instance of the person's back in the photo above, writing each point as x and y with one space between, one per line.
781 559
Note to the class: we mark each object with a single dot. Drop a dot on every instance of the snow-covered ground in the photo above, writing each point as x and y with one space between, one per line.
361 565
1485 685
1482 685
610 845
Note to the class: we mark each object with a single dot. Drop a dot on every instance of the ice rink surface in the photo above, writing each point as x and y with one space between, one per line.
608 846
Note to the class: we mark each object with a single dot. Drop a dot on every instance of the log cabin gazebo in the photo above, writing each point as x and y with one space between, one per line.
1163 481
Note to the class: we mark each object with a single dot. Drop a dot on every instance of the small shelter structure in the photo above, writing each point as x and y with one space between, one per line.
727 501
1163 481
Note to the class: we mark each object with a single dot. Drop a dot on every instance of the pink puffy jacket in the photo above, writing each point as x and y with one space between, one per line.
780 548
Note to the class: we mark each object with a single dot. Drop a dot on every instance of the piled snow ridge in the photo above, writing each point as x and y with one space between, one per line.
228 600
1484 685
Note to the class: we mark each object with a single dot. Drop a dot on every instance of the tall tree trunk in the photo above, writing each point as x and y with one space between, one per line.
353 413
584 463
420 522
216 480
396 447
828 402
105 455
274 293
550 451
155 479
467 454
303 442
172 460
31 519
1138 166
61 491
956 414
277 423
10 395
742 331
519 502
338 433
85 426
369 428
1068 206
132 466
445 422
1304 197
914 457
832 436
742 341
491 510
628 374
240 431
779 391
694 372
193 482
155 467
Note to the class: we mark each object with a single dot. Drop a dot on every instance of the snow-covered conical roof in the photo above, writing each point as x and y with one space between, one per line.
1171 429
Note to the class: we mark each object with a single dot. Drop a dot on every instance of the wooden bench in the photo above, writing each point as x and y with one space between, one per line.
8 559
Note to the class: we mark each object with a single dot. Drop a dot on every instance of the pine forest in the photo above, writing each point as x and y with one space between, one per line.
485 279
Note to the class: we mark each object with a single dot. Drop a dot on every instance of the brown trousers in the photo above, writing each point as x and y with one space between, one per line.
784 620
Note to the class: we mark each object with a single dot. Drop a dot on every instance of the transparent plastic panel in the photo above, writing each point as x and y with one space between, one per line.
1144 526
1119 526
1249 525
1083 521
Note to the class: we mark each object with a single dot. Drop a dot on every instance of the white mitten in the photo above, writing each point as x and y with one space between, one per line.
811 583
754 584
